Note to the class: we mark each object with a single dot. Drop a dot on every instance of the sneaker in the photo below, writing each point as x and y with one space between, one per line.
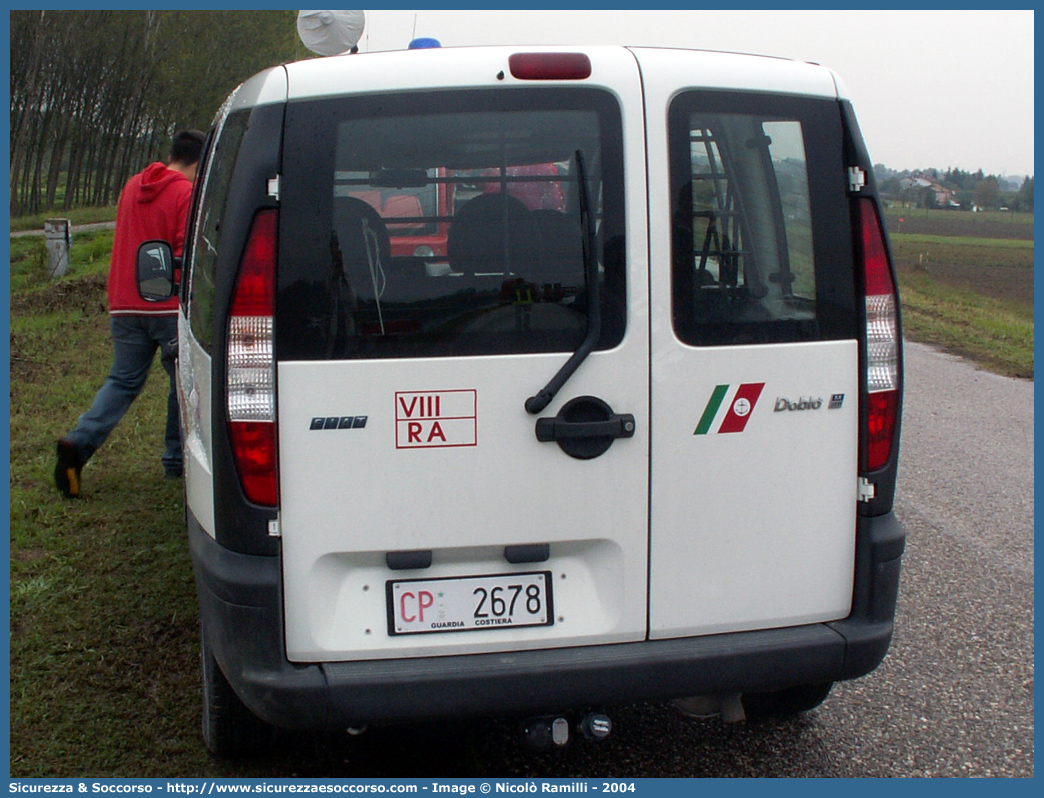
67 471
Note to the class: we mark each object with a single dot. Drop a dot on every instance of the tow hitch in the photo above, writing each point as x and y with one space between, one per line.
556 730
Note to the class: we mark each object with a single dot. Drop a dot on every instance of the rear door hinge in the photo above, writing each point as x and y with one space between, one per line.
867 489
273 528
856 179
273 187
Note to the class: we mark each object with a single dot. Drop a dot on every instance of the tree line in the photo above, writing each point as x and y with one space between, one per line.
955 188
97 95
990 191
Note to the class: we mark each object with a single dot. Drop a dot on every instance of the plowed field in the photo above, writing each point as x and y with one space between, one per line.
991 257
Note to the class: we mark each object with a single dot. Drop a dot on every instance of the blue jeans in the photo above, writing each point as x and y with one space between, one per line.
135 340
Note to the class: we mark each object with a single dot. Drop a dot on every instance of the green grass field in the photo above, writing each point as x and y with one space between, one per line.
103 616
990 331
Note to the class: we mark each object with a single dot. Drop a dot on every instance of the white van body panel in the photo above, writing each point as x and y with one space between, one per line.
463 67
347 497
265 88
752 529
195 403
363 494
666 71
195 364
724 548
720 518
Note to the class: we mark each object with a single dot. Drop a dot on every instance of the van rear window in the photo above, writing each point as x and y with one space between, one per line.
449 224
760 244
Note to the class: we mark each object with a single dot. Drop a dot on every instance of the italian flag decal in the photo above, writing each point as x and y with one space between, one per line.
740 406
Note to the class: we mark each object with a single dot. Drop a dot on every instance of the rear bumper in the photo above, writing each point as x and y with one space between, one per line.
241 610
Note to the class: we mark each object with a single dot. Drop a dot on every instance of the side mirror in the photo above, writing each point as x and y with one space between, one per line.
157 271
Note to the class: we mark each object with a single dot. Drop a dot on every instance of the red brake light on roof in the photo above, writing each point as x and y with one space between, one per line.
550 66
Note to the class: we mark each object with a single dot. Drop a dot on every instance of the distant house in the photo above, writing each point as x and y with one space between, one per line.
908 183
944 197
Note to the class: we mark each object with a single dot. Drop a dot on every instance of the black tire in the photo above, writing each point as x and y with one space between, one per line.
789 701
230 730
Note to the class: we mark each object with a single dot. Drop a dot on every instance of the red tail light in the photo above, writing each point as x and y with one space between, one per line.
882 409
250 389
254 448
255 285
881 403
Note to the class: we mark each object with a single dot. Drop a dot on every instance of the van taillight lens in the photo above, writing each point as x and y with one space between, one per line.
550 66
882 341
250 389
254 447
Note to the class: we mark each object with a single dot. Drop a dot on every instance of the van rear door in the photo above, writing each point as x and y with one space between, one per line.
755 366
420 512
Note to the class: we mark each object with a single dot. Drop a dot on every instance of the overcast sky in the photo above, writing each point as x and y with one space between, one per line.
937 88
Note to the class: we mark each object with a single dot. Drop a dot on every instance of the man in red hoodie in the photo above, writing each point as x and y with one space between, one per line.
153 206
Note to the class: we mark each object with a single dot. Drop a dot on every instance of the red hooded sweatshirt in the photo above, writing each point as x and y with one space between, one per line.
153 207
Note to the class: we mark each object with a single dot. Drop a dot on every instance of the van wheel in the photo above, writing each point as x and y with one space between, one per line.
229 728
789 701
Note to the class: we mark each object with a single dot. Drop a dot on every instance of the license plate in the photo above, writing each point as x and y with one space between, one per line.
469 603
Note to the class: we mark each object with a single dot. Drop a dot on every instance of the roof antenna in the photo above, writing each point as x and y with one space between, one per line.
414 36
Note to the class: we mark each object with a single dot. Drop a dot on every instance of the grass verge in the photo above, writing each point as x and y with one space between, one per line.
75 216
951 242
995 333
968 294
104 628
103 615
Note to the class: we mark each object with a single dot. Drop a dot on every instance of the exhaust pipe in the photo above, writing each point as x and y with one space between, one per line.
729 706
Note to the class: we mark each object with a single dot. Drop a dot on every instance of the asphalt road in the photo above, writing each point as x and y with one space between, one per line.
954 697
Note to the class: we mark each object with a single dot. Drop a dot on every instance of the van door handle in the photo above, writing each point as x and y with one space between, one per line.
555 429
585 427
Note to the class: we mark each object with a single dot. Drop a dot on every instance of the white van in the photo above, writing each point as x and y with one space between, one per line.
532 381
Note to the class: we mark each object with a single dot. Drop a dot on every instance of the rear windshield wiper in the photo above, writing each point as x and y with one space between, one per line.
535 404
